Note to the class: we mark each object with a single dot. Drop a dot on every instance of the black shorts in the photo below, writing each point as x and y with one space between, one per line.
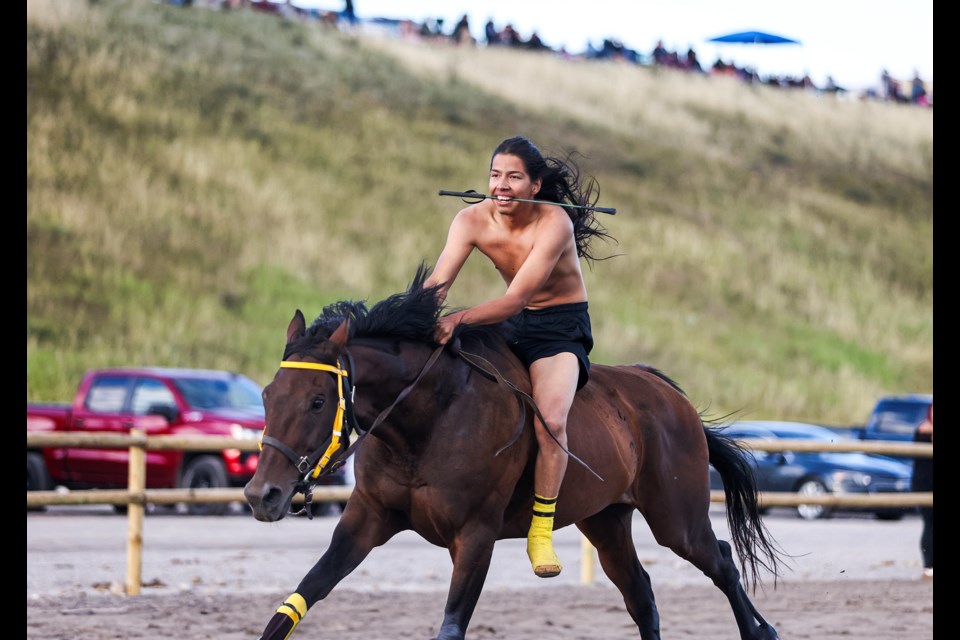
541 333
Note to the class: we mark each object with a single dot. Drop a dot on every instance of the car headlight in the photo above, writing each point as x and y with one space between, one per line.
849 481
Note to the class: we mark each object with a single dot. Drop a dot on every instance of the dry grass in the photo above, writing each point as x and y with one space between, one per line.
194 176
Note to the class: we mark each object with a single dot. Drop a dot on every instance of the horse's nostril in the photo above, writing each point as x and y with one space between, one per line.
270 496
252 496
265 495
265 500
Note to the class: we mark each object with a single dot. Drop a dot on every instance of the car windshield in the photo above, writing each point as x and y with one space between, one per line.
237 392
899 417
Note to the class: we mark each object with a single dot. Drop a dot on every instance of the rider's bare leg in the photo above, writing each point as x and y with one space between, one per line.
554 386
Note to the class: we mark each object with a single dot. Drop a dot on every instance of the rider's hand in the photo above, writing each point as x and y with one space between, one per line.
444 328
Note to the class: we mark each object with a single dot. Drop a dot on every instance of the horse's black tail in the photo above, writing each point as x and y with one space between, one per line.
751 539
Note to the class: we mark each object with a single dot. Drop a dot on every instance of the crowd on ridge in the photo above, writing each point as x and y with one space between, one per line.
915 91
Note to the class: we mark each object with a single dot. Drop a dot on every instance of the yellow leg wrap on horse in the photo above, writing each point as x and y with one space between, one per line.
540 538
294 607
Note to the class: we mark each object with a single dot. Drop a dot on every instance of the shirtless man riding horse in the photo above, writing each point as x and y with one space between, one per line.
536 247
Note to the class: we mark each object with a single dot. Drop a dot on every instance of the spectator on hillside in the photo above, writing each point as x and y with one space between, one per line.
461 32
612 49
535 43
660 53
692 63
885 84
891 88
348 15
510 37
431 28
491 34
918 90
721 68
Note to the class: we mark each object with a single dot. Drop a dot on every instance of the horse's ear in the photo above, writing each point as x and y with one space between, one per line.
340 336
297 327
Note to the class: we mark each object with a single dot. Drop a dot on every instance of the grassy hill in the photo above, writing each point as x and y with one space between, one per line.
194 176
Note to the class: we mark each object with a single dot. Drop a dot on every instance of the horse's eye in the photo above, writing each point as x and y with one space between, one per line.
317 403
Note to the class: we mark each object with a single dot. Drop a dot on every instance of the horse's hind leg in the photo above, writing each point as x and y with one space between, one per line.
610 532
697 543
752 625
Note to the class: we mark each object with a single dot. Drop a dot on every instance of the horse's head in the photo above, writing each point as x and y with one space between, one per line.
305 405
310 397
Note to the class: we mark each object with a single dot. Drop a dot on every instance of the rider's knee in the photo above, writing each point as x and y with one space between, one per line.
556 427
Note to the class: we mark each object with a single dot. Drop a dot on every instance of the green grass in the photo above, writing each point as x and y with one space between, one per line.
194 176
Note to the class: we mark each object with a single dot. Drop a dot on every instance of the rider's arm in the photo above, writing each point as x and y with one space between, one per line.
455 252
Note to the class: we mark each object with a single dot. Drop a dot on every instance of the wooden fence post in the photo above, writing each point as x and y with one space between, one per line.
137 483
586 561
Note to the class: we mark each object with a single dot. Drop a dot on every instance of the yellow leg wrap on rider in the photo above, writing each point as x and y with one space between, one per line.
540 538
294 607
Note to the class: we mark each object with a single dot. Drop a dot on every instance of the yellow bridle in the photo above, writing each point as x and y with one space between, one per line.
341 373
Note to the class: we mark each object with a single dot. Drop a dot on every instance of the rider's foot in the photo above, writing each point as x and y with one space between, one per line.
540 539
544 561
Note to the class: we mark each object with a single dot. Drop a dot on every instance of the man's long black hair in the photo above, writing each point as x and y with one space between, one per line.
561 182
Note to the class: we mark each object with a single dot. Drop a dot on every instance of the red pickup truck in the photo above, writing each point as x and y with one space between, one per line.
157 401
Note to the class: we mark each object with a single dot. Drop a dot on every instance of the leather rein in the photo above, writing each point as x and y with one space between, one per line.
318 463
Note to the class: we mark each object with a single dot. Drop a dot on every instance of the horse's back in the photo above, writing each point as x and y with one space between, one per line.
636 401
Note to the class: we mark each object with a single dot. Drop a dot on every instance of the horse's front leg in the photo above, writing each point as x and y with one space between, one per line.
471 552
360 529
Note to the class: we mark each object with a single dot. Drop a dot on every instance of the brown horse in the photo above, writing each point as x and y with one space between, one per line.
445 447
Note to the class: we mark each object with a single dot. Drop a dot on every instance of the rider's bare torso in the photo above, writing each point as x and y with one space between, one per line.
508 239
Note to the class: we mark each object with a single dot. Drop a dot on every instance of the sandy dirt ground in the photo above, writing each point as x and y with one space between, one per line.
850 578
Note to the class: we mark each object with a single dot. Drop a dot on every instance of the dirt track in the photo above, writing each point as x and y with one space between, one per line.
852 578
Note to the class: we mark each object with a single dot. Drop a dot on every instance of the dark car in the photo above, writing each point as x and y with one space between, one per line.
818 473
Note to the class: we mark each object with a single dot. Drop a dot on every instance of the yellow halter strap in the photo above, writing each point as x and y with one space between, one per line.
341 373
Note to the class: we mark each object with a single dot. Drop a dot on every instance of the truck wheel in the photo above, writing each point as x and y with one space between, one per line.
205 472
37 477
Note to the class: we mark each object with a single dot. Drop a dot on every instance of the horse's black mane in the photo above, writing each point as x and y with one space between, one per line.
411 315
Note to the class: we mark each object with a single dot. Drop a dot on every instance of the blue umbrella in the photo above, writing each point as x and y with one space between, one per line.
751 40
753 37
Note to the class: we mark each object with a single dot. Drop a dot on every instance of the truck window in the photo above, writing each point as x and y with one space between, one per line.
151 393
107 394
899 418
238 392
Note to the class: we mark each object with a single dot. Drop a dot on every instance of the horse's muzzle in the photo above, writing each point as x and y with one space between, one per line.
268 502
